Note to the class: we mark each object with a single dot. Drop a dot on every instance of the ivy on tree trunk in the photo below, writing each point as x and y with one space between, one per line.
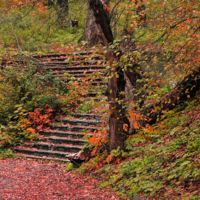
116 84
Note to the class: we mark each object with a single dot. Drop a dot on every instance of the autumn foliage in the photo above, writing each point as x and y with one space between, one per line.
156 49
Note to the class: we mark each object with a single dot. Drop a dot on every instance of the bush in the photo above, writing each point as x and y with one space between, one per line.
24 90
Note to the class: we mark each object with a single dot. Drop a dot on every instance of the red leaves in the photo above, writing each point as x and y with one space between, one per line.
41 116
107 8
29 179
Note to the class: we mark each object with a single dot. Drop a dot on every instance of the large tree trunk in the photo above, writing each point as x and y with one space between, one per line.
116 84
91 32
185 89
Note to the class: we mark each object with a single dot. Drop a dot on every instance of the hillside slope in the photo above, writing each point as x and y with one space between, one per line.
161 164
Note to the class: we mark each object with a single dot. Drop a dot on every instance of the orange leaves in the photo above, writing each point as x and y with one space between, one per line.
98 139
163 81
125 127
24 123
30 130
135 116
75 84
135 125
41 116
107 8
148 128
92 140
109 158
128 11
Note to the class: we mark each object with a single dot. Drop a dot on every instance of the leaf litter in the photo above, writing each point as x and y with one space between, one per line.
31 179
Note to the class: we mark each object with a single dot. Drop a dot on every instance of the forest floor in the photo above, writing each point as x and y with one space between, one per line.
31 179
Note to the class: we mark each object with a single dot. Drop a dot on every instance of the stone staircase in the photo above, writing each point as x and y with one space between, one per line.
66 134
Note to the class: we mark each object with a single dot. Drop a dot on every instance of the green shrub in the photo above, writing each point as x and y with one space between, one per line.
37 29
85 107
21 89
6 153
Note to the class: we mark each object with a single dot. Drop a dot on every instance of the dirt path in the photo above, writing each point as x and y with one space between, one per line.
40 180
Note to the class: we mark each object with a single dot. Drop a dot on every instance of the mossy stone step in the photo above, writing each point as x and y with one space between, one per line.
79 122
54 147
79 58
72 63
85 115
43 158
60 140
64 134
62 73
62 54
41 152
89 71
74 128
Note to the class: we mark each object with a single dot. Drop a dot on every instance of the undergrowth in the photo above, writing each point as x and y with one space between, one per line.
29 99
6 153
35 27
160 164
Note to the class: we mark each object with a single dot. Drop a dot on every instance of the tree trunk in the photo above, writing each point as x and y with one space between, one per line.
63 5
187 88
91 32
116 84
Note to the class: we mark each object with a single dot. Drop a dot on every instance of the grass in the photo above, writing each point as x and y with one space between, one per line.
34 29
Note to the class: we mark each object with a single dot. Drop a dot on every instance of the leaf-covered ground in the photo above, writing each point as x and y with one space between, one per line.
30 179
160 164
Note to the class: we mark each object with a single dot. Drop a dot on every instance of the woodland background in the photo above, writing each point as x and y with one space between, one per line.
152 61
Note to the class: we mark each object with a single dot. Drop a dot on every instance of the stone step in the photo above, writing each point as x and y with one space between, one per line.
64 134
73 63
94 94
78 77
53 147
62 73
41 152
85 116
94 83
96 99
62 140
77 58
79 67
73 128
67 134
71 72
42 158
79 122
62 54
96 89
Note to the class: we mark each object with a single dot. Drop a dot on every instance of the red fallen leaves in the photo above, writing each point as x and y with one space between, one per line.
30 179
